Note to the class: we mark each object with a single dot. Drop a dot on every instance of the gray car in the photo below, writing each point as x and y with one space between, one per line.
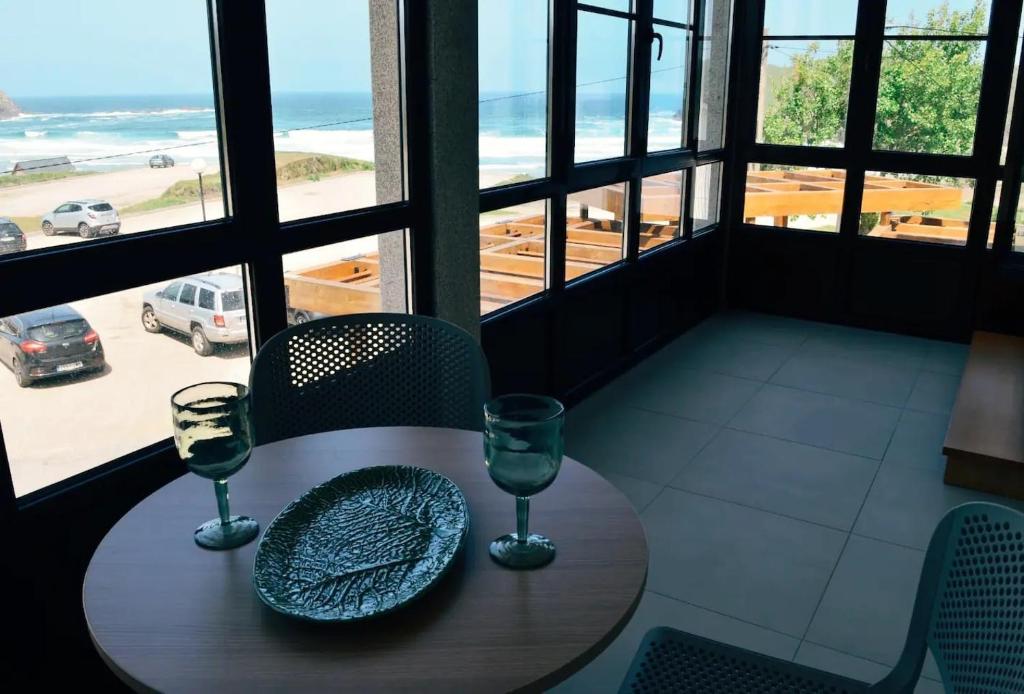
210 309
89 218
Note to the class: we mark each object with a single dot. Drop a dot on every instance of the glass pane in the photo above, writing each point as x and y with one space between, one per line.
594 229
1009 106
661 205
365 275
714 74
928 96
336 96
1018 226
1017 244
707 196
601 60
995 213
793 197
667 117
916 208
513 91
937 17
620 5
128 154
810 17
672 11
805 88
512 254
97 353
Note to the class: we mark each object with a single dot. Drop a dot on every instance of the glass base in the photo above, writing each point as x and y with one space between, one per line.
216 535
535 552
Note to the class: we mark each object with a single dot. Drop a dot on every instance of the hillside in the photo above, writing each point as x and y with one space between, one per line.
8 109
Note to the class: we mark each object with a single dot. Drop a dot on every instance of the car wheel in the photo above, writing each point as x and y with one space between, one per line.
301 317
21 374
200 344
149 320
47 229
85 232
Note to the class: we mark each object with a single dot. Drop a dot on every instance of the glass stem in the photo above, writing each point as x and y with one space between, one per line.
522 518
221 487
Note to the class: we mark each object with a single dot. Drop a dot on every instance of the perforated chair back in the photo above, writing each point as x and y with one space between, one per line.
969 608
366 370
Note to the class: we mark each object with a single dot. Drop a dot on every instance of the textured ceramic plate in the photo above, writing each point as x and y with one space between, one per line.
362 544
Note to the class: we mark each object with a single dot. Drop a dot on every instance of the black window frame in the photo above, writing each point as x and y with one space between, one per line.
251 235
565 177
858 156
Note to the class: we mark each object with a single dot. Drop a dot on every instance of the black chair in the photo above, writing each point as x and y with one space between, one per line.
367 370
969 611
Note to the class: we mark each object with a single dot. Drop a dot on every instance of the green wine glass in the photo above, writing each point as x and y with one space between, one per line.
213 435
523 442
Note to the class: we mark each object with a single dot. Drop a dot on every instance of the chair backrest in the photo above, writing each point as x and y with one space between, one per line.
366 370
969 608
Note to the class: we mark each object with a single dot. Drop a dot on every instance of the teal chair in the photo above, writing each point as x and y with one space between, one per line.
969 611
367 370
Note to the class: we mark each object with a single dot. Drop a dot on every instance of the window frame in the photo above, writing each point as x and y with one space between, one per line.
858 155
251 234
565 177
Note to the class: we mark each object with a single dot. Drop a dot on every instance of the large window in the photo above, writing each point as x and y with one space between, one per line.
91 380
92 346
926 91
337 131
793 197
602 63
513 91
804 89
930 83
77 163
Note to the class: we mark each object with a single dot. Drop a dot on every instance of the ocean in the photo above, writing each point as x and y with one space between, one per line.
108 133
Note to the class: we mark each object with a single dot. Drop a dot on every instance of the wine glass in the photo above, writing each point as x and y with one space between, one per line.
523 441
213 435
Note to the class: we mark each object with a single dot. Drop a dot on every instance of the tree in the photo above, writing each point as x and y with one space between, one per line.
927 93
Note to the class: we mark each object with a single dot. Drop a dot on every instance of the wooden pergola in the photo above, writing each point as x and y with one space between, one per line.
784 194
512 251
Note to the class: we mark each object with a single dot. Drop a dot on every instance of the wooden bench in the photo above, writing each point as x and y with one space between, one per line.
984 445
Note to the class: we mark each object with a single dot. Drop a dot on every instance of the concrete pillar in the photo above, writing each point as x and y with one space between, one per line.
387 147
450 112
453 161
717 33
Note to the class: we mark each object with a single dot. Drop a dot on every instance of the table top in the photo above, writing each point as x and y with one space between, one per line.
168 615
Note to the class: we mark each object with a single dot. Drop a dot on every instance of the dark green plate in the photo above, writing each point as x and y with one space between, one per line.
363 544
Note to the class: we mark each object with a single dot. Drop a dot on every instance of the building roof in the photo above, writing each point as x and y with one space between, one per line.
44 165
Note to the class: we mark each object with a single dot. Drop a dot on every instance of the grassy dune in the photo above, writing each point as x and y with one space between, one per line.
292 167
10 181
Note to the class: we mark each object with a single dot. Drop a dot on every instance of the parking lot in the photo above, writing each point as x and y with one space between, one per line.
57 428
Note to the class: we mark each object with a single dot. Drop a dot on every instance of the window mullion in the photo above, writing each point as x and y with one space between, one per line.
244 92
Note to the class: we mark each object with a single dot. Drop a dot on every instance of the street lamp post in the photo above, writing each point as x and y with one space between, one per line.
199 165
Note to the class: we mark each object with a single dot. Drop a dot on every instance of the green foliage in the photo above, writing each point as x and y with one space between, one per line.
809 103
868 221
518 178
927 95
10 180
319 165
291 166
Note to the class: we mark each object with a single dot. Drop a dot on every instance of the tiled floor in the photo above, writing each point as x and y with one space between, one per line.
789 476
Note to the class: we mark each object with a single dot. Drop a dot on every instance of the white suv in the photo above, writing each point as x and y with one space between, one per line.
89 218
210 309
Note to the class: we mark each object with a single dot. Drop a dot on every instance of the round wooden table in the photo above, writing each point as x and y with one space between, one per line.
168 615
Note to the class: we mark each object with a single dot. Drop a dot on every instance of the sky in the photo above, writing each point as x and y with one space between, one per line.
161 47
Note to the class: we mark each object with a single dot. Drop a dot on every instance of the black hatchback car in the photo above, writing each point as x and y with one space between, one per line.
49 342
12 239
